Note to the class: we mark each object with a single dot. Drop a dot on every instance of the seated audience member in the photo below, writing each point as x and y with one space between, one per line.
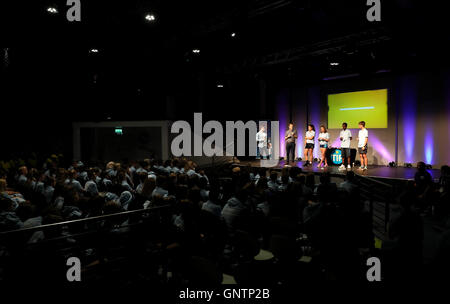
422 178
72 180
161 186
8 218
234 210
272 184
212 205
349 184
90 187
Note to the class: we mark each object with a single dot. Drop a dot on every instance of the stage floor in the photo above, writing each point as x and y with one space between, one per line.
381 172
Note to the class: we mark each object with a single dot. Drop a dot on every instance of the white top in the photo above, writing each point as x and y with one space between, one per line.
261 138
311 133
362 135
323 136
345 134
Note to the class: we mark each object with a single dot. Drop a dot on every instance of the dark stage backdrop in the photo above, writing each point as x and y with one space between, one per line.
418 116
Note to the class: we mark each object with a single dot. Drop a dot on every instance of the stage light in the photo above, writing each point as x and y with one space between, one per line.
93 51
52 10
428 167
393 164
407 165
299 158
150 17
233 34
118 131
196 51
220 85
334 63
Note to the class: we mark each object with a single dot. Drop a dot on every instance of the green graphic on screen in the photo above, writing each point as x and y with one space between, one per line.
352 107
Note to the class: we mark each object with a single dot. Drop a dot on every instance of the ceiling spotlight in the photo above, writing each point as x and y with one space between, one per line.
195 51
334 63
93 51
220 85
233 34
52 10
150 17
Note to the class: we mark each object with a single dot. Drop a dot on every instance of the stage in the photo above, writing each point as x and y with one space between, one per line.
377 172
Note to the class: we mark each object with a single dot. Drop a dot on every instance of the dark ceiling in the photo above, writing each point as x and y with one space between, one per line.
140 65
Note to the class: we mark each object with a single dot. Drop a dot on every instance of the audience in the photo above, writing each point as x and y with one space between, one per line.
213 210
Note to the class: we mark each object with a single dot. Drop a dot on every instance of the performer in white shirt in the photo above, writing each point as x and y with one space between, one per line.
261 139
345 136
309 144
324 138
363 138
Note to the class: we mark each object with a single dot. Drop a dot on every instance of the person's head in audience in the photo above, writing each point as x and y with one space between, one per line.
310 180
23 170
350 176
421 166
148 187
273 176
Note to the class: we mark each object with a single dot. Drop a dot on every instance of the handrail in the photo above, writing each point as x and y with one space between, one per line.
83 220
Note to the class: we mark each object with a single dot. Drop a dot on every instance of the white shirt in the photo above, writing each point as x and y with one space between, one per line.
345 134
311 133
324 136
261 138
362 135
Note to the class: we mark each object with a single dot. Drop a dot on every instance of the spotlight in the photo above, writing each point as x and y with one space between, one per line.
233 34
393 164
407 165
334 63
150 17
428 167
299 158
220 85
52 10
93 51
281 158
196 51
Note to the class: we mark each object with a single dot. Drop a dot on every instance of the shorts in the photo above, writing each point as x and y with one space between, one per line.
324 146
362 150
345 153
309 146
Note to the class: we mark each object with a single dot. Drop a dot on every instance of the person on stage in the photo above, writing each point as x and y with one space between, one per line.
309 144
324 138
345 136
290 139
261 139
363 138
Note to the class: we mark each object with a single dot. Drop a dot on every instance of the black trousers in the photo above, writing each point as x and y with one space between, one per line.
290 151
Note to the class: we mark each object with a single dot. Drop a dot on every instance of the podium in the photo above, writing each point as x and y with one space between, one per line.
334 156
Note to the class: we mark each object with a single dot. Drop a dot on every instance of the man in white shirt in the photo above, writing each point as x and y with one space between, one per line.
261 139
363 138
345 137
